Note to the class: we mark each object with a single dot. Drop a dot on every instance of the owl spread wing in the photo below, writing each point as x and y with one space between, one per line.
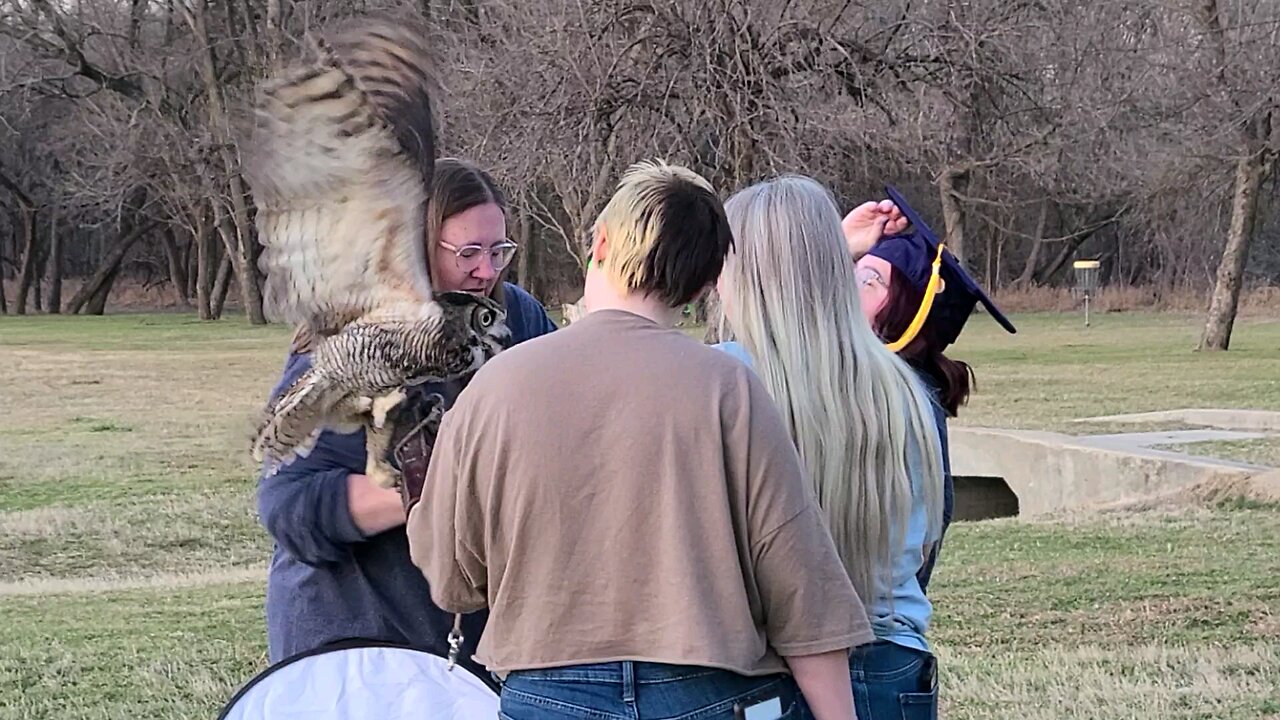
339 162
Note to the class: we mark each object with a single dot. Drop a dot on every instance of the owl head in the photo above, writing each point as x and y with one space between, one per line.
474 328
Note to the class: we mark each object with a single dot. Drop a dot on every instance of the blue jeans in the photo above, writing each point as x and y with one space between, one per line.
638 690
892 682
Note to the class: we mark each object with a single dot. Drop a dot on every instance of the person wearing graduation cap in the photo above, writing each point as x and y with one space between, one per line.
918 297
862 420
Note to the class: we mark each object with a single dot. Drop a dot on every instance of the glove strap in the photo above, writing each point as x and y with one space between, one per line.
455 641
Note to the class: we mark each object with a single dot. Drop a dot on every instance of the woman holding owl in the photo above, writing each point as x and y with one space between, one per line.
340 568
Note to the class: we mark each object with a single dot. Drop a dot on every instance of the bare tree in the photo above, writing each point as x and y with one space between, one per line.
1134 131
1253 100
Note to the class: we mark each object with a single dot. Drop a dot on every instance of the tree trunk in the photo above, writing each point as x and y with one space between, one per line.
206 256
1250 172
97 304
241 251
991 280
177 268
29 250
524 261
220 287
26 205
42 259
55 267
1029 270
274 23
169 25
951 185
189 269
107 269
246 265
137 13
1068 248
235 254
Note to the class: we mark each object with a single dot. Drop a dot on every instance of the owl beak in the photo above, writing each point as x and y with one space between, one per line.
500 338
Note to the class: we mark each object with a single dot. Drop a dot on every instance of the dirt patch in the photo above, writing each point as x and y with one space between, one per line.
1264 488
1261 489
164 581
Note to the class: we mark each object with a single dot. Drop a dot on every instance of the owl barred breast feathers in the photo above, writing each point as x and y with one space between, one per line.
339 161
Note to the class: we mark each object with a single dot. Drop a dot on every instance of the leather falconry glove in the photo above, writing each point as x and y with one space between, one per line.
417 422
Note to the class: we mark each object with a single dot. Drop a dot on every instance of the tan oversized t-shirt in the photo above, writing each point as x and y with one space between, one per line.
619 491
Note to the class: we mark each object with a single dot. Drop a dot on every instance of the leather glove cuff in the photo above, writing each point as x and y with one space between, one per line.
411 451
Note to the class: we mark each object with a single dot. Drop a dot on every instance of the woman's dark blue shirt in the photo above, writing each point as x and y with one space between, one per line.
948 502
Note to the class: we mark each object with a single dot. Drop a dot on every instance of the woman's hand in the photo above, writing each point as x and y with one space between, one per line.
867 223
374 509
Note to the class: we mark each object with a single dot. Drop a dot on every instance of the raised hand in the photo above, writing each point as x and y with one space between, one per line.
868 222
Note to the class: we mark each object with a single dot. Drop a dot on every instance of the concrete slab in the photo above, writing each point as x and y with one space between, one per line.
1051 471
1227 419
1144 440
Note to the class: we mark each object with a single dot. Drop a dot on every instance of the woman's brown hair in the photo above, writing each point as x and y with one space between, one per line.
953 378
456 187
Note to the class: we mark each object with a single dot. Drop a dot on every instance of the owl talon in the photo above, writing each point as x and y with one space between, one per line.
381 406
383 474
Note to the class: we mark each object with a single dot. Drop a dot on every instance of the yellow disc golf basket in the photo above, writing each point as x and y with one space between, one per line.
1087 278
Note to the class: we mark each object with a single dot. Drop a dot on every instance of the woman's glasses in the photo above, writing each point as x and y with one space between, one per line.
469 256
867 277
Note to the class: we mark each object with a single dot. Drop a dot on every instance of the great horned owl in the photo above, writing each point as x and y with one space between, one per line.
339 160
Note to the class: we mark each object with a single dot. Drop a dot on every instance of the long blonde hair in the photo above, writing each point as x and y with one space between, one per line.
789 297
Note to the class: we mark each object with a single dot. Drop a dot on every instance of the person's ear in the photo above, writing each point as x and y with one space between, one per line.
598 249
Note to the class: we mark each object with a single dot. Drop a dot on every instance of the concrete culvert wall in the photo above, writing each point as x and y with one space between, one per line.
983 497
1050 472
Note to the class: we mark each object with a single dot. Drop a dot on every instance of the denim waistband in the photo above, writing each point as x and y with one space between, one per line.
620 672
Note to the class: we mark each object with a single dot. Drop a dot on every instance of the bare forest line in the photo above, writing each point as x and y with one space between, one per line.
1140 133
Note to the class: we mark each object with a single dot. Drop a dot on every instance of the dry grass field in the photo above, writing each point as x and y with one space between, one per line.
131 561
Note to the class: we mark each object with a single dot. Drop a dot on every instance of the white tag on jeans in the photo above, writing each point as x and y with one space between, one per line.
770 709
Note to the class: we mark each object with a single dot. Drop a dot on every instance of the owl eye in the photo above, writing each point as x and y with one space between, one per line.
485 318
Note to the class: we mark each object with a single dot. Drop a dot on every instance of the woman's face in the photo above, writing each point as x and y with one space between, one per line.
873 278
472 250
722 290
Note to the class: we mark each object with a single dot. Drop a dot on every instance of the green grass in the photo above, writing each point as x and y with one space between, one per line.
1117 578
1113 616
136 654
1055 370
131 555
1263 451
1170 615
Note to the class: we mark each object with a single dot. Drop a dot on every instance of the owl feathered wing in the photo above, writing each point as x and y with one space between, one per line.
339 162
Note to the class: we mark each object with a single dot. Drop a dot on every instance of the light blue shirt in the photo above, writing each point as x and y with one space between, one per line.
907 621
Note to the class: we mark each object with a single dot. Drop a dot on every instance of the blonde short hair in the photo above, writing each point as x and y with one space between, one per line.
667 232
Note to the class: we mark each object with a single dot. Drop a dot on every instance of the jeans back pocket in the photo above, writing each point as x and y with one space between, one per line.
919 705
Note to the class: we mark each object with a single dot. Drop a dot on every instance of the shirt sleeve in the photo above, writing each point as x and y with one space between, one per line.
304 506
534 319
948 487
919 526
305 509
810 606
808 602
446 525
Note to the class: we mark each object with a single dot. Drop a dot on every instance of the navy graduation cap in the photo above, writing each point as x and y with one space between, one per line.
915 254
